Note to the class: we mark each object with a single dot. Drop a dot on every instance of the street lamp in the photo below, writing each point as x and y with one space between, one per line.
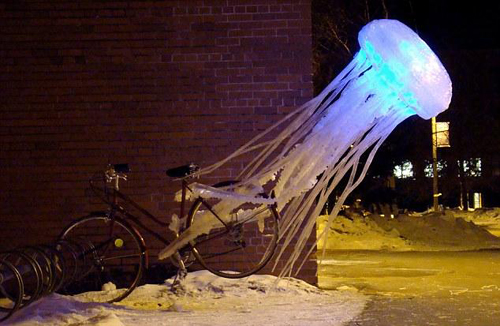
440 138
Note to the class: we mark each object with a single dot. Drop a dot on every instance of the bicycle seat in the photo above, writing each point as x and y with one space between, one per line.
182 171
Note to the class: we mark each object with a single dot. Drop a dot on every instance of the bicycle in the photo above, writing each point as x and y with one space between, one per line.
115 251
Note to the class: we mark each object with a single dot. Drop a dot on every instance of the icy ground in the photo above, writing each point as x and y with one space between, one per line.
260 300
206 300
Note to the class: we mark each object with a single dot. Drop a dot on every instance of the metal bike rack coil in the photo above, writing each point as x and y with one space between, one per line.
29 273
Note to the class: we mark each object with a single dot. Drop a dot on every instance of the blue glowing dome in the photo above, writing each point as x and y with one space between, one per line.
407 65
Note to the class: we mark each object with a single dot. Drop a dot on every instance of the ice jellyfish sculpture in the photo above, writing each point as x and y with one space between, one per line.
393 76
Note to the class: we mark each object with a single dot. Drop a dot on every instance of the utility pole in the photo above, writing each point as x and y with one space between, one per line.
435 189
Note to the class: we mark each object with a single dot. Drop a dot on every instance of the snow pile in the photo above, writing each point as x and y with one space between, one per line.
488 218
451 230
65 310
357 232
203 299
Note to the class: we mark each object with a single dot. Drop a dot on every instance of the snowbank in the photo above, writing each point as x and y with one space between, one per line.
205 299
488 218
449 230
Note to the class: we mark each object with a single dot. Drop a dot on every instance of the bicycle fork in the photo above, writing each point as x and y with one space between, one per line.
181 274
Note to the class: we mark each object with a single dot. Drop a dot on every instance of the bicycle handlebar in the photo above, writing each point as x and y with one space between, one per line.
115 172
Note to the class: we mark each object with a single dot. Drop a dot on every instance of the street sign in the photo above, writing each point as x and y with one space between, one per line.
443 134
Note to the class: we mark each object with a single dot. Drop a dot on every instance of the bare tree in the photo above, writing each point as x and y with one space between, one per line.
335 28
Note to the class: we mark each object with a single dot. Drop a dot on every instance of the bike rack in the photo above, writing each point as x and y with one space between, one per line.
29 273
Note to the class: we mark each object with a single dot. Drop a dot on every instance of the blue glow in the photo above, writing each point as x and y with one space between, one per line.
387 78
405 64
375 58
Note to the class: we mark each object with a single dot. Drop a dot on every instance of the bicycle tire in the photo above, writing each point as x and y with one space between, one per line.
70 252
241 249
58 265
114 251
47 270
30 272
15 283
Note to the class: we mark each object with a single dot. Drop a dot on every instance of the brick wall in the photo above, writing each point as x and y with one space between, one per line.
152 83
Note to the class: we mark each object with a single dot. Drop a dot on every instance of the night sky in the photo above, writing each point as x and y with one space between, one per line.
449 24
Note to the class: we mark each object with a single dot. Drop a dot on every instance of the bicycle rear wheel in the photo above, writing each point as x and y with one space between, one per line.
111 252
239 247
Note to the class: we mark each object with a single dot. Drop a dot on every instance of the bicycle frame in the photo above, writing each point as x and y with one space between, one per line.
112 196
124 219
116 195
115 208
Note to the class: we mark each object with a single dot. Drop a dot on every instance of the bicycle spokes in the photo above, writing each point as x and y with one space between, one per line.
240 247
113 253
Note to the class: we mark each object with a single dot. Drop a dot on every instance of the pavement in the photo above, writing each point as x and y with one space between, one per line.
419 288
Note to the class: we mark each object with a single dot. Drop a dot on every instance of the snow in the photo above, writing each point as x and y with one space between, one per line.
451 230
488 218
204 299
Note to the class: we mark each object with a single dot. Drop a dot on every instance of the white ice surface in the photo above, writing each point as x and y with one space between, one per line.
206 300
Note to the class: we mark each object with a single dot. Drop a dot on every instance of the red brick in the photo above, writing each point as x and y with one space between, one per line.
152 83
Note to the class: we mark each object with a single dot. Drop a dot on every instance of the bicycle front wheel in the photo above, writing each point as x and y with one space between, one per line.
240 242
111 257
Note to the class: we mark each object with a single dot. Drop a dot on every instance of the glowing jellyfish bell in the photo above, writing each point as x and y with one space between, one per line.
406 65
393 76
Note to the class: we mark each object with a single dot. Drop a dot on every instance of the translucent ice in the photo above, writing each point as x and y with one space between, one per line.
393 76
408 65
